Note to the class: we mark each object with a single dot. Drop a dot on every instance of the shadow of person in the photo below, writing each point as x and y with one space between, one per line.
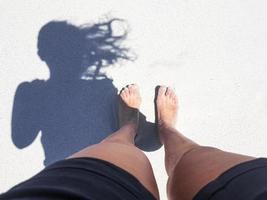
77 105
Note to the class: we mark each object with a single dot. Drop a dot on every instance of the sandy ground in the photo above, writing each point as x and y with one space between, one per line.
212 52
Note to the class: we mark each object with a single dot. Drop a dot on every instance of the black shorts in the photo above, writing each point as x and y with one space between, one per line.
246 181
80 178
90 178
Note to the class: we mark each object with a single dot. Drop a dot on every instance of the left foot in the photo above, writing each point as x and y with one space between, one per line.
130 101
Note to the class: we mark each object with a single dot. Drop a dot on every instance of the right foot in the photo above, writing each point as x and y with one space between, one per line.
167 107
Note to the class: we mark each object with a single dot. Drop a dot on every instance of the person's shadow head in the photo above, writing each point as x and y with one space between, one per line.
61 46
77 106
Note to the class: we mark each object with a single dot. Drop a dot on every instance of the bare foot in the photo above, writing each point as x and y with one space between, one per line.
130 101
167 107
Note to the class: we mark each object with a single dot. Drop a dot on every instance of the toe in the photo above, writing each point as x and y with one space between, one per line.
122 94
132 88
175 100
126 91
162 90
169 92
173 95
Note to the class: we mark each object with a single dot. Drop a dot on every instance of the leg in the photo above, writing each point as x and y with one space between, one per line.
189 165
119 147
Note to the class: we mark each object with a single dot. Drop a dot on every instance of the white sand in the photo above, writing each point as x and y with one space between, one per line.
213 52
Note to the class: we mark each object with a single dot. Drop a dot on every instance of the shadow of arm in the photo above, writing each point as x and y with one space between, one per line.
25 124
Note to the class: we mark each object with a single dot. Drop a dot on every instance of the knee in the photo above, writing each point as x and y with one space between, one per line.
197 152
122 148
116 140
119 139
191 165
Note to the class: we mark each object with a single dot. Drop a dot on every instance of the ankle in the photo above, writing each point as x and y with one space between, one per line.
166 127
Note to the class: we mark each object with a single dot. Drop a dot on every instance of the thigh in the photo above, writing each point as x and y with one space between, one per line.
199 167
127 157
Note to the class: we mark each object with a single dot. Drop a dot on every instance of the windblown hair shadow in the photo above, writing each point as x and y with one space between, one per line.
96 45
102 47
